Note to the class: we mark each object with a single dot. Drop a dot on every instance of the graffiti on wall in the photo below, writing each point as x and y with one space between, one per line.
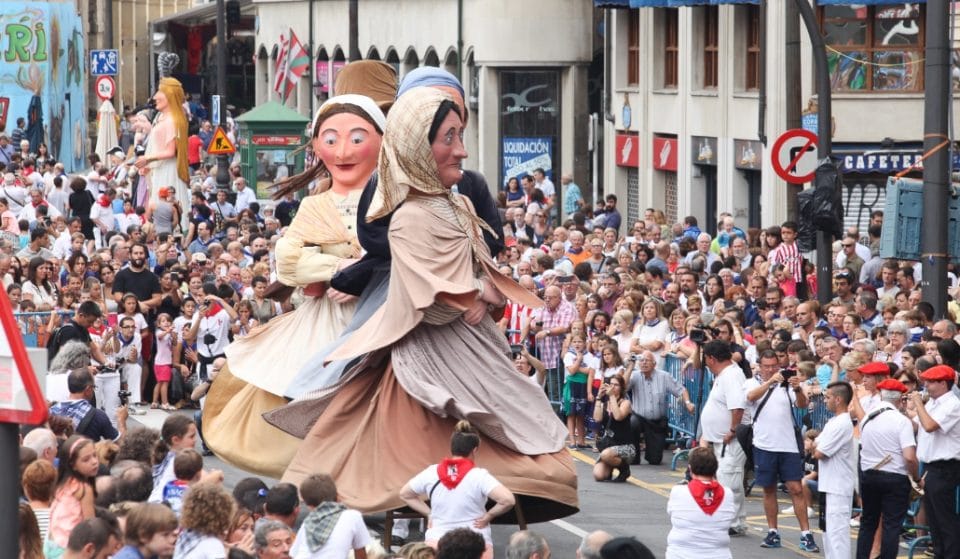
860 198
43 78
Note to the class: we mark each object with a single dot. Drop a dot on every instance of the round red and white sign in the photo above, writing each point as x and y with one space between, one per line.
105 87
794 156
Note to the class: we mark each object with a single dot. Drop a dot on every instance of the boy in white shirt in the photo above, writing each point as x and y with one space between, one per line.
834 449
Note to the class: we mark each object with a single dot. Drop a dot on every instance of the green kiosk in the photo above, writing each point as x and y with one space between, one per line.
269 138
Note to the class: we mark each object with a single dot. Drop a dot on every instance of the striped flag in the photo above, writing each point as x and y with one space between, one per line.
296 63
281 66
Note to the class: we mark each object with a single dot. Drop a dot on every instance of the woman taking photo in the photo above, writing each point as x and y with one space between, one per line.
613 411
458 491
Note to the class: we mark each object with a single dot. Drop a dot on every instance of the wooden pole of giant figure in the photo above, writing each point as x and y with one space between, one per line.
164 164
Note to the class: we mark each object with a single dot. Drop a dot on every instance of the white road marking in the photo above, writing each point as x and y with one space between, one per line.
563 524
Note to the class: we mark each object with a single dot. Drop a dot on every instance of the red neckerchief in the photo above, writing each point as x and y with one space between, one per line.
708 495
214 309
453 470
38 204
104 201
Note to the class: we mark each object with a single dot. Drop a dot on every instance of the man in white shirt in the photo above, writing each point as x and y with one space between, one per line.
549 192
245 196
329 529
776 451
836 477
29 211
938 447
888 455
718 423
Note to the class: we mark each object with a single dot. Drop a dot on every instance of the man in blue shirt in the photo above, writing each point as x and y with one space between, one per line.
572 196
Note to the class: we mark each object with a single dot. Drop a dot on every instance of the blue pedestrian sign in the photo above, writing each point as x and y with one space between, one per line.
104 62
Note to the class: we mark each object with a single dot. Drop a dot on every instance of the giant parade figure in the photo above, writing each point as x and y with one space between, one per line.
378 404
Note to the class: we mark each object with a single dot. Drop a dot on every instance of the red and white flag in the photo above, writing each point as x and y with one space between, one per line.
295 64
281 66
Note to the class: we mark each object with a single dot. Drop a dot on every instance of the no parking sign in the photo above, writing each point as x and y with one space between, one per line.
794 156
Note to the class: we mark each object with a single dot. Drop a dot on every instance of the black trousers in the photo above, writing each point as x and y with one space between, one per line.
940 502
887 494
654 433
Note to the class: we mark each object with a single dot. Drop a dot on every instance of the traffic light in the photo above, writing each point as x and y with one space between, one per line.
233 12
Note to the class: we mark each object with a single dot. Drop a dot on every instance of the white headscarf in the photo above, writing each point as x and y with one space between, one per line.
362 102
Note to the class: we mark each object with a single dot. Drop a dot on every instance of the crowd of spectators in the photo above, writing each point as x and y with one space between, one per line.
156 299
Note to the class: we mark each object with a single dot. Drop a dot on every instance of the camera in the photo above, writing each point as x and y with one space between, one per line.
124 396
698 334
787 375
209 339
516 349
633 357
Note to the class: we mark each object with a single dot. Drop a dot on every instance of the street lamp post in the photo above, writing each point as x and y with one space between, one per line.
223 161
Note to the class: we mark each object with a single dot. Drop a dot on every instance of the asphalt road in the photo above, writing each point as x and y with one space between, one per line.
636 508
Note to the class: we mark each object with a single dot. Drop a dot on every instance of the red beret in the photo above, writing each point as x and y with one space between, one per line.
875 368
892 384
940 372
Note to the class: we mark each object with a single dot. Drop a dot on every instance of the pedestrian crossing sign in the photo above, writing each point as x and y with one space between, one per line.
220 144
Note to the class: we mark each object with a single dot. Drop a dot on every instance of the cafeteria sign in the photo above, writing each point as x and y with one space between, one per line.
522 155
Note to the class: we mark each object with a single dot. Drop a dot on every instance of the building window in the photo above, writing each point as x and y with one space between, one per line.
752 71
633 47
874 48
711 46
671 47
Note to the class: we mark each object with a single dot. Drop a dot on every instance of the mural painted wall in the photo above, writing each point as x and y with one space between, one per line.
43 77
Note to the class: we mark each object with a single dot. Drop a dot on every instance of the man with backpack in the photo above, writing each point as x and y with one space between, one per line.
77 329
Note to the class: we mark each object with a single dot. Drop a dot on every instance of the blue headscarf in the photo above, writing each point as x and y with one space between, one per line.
427 76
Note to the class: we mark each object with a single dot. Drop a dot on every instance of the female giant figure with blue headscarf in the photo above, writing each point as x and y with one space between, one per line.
432 354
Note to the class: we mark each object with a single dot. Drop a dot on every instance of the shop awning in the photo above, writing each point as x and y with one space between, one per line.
682 3
611 3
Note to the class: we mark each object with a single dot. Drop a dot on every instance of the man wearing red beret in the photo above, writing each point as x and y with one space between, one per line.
938 447
888 455
873 373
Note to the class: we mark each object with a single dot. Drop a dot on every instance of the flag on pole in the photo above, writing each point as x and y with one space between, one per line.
296 63
281 66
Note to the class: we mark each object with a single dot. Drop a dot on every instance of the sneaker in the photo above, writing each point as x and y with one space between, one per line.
737 532
772 540
788 510
807 543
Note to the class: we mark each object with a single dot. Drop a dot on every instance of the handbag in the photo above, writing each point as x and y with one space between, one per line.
744 433
605 441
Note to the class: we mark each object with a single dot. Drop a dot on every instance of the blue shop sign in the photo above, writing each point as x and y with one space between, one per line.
884 161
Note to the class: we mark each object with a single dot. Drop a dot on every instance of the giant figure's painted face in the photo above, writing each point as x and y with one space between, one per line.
348 145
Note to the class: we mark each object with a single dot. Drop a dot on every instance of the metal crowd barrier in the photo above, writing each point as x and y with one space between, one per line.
33 326
684 424
815 415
